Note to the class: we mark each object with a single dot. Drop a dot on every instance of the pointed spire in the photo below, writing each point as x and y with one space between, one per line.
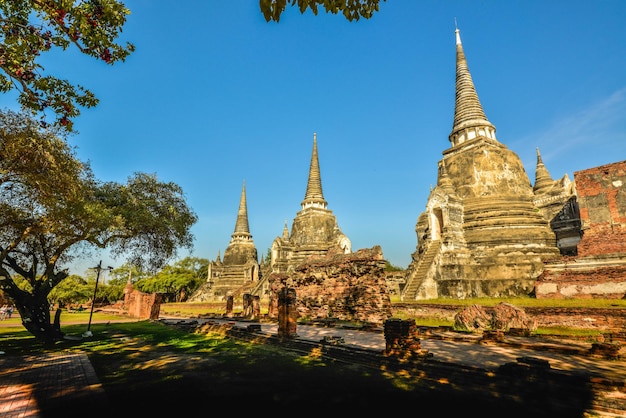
469 118
543 180
285 231
242 230
314 196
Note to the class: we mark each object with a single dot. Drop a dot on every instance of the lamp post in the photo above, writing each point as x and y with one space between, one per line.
98 269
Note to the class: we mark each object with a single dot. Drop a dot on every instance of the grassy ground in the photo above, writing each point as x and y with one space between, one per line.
198 308
188 309
150 368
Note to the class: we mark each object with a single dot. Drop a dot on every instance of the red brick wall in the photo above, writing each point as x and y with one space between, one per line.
602 200
599 269
143 305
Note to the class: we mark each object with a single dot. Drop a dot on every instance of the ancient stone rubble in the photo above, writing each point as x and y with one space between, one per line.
347 287
502 317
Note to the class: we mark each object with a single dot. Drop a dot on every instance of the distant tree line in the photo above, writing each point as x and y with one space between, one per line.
176 282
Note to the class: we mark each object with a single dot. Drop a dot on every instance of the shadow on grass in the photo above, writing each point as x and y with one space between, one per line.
150 368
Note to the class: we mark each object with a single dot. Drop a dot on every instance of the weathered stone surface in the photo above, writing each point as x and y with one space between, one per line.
348 287
141 305
615 350
502 317
598 319
506 316
602 199
287 312
472 318
401 337
482 234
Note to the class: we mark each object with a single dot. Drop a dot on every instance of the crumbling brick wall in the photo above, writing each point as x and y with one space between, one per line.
599 269
602 200
401 336
577 279
348 287
143 305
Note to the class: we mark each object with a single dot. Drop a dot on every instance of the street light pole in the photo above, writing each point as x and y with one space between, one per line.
98 269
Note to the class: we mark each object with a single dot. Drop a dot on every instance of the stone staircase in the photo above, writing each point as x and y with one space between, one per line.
232 281
415 278
259 287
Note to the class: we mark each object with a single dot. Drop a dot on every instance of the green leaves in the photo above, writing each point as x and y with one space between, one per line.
29 29
351 9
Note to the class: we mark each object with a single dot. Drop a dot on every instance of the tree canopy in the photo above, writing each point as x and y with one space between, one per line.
52 209
351 9
30 28
176 281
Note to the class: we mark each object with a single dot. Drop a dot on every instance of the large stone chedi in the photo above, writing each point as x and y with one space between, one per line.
481 234
314 230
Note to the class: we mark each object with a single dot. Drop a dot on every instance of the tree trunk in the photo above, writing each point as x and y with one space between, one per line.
35 313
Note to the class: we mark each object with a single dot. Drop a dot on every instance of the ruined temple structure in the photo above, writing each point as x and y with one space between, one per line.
598 269
342 286
141 305
486 230
314 231
238 272
557 202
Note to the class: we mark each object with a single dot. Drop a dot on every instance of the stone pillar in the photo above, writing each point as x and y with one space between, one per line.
272 309
155 305
401 336
229 306
287 314
247 306
256 307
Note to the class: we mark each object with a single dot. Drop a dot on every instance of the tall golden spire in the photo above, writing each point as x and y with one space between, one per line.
469 118
314 196
242 230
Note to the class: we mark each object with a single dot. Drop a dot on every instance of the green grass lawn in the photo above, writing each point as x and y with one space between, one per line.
67 317
201 308
148 368
188 309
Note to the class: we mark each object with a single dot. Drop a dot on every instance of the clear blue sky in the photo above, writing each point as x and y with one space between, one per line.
215 96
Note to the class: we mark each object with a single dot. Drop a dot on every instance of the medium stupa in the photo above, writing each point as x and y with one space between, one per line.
314 230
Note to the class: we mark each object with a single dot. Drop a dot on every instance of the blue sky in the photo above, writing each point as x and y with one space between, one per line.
214 96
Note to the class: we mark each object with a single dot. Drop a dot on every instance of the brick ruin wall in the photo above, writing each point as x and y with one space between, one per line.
142 305
601 319
348 287
599 269
602 200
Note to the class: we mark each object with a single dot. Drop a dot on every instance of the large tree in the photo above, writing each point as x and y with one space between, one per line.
30 28
351 9
52 209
